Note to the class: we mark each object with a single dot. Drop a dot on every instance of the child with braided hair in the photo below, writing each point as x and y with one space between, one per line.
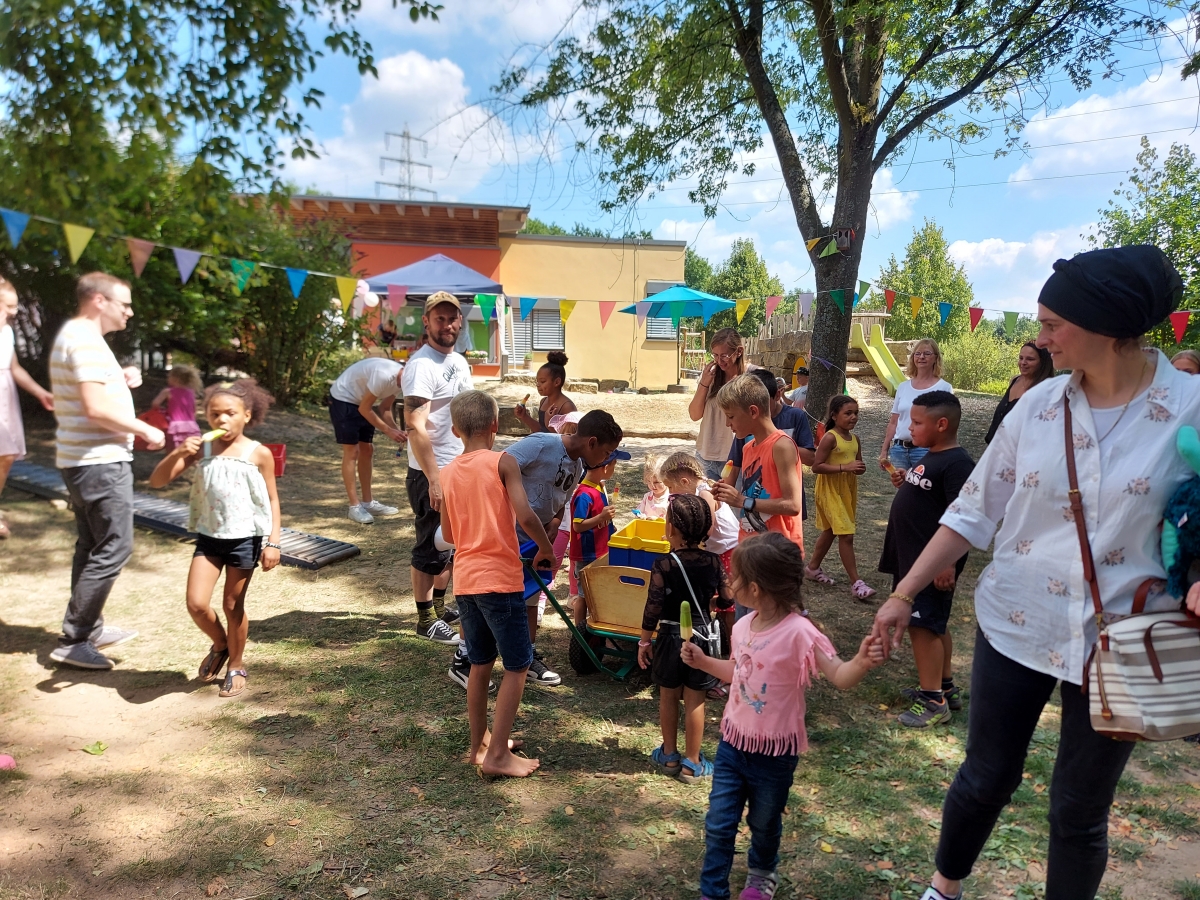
693 577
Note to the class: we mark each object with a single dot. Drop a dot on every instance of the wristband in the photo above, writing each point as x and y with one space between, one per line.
644 644
272 545
907 599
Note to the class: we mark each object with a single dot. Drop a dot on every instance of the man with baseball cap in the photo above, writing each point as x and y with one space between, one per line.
434 376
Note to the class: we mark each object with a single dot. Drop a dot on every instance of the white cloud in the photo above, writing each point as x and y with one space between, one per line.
500 23
1008 275
890 206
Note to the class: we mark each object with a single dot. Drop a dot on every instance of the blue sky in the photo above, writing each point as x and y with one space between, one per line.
1035 207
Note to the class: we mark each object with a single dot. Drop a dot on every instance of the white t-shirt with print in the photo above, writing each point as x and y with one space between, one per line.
375 376
438 378
81 354
905 395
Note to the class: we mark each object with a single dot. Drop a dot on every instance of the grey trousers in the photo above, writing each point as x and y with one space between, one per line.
102 498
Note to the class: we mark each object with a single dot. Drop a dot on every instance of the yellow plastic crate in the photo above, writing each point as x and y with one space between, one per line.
638 544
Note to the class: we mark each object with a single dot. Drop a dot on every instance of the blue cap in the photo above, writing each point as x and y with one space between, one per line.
616 454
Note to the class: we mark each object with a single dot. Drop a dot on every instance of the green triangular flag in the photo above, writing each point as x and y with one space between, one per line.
1010 323
863 287
830 249
676 314
242 270
486 303
839 297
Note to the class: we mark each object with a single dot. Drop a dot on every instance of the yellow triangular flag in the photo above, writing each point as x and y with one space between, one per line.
810 244
742 306
564 309
916 305
346 288
77 239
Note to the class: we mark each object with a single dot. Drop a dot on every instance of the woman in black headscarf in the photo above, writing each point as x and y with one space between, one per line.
1035 366
1036 621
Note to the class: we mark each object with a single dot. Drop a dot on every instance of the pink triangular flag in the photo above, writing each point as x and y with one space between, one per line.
772 302
976 314
606 310
1179 321
397 293
185 261
643 310
139 254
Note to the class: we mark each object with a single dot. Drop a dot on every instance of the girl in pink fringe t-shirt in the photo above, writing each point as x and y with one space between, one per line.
776 650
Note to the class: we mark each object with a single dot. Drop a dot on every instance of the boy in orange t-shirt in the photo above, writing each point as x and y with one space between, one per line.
483 498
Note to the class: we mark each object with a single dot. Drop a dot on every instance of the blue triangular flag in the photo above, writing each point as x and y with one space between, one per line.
15 222
527 304
296 279
185 261
944 309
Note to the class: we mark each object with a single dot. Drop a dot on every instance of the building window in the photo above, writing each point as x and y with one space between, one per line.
521 338
661 330
547 330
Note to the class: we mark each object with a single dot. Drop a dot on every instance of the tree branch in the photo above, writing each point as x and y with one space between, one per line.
835 72
927 55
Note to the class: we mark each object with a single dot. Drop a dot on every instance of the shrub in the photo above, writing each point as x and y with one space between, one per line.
975 358
996 386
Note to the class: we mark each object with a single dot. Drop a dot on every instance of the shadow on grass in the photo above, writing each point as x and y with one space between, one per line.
130 685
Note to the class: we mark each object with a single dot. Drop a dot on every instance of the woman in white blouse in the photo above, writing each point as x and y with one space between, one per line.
715 438
1035 615
924 371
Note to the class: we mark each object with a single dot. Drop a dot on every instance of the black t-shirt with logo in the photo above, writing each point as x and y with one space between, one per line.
929 487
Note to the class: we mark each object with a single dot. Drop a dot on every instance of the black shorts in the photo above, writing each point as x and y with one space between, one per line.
349 426
931 609
233 553
425 557
668 670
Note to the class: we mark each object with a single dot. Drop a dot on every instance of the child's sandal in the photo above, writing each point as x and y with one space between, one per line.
668 763
690 773
818 575
861 590
210 668
227 688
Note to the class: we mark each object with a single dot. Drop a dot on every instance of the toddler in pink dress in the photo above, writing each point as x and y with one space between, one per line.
180 398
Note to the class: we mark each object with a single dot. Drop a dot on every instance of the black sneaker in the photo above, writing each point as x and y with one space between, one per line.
539 674
460 672
925 714
952 697
450 615
439 632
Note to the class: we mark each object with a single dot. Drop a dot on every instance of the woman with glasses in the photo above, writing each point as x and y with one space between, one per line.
924 373
1035 366
715 438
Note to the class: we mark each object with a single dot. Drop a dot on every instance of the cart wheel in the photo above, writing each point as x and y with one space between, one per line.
580 661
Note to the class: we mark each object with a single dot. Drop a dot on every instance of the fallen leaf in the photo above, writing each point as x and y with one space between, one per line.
883 706
215 887
269 840
569 810
293 822
869 867
95 749
651 830
885 864
951 739
826 847
353 892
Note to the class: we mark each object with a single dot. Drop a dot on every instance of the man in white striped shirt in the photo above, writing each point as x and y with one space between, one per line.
96 426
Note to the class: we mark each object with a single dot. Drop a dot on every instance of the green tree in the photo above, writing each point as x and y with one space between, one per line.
1160 204
664 90
927 271
696 271
538 226
743 274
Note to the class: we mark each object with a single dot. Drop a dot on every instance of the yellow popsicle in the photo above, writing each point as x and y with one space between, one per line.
685 622
212 435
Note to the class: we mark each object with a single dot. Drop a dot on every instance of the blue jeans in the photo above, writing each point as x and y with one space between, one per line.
712 468
906 457
737 777
494 623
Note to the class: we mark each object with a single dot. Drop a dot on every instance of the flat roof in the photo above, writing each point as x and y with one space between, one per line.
603 241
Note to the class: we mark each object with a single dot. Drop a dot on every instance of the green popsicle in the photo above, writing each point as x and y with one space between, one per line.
685 622
212 435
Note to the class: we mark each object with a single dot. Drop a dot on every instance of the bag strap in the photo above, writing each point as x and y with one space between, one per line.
692 591
1076 501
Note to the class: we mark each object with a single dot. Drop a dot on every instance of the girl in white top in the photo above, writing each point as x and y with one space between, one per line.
234 506
924 373
12 430
715 437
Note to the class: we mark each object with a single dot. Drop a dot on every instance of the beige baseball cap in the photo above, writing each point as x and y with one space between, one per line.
442 297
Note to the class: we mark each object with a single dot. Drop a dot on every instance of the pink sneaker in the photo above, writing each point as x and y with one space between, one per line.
759 886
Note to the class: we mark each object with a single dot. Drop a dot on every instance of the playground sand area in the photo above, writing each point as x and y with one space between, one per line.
339 773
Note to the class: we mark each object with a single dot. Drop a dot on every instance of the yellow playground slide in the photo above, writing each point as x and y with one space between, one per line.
878 355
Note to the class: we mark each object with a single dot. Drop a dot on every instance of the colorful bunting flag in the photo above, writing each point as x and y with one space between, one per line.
185 262
346 288
1010 323
839 297
242 270
676 314
565 308
944 311
15 222
830 249
772 305
486 304
606 310
826 363
139 254
397 295
527 304
642 308
889 298
77 239
863 288
976 314
741 307
296 278
810 244
806 302
915 303
1179 321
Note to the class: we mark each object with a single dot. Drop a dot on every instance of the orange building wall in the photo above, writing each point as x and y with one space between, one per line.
374 259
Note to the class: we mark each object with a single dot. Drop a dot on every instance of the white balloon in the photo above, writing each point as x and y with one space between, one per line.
361 288
439 542
371 300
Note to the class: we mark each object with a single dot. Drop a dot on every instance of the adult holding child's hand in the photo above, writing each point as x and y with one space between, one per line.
1117 414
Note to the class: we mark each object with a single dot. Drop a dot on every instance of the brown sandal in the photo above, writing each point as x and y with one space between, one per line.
227 688
210 668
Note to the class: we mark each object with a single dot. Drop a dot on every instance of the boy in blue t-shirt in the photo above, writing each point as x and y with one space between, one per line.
591 519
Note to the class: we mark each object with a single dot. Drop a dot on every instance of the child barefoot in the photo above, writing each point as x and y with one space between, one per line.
654 504
776 649
693 577
179 396
233 507
837 467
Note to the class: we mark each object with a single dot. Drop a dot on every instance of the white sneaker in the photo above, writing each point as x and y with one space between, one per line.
360 515
376 508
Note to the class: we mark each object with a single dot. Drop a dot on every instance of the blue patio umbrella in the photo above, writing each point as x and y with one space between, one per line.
684 302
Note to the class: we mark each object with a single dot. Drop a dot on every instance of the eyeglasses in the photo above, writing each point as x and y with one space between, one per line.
724 357
921 354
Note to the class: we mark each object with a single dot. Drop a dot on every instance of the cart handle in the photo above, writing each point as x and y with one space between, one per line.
575 632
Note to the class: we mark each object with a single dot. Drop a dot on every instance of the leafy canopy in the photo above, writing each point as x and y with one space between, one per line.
743 274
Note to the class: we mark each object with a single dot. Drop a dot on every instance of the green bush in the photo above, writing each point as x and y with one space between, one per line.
329 367
975 358
997 386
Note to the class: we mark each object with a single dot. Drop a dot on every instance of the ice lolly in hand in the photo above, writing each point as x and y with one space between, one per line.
685 622
727 471
525 402
212 435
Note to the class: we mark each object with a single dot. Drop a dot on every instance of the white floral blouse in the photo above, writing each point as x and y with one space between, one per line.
1032 602
229 497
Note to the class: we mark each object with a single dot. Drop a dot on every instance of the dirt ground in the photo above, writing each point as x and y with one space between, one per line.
337 775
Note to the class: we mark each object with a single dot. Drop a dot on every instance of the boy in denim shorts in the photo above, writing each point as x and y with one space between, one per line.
484 500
